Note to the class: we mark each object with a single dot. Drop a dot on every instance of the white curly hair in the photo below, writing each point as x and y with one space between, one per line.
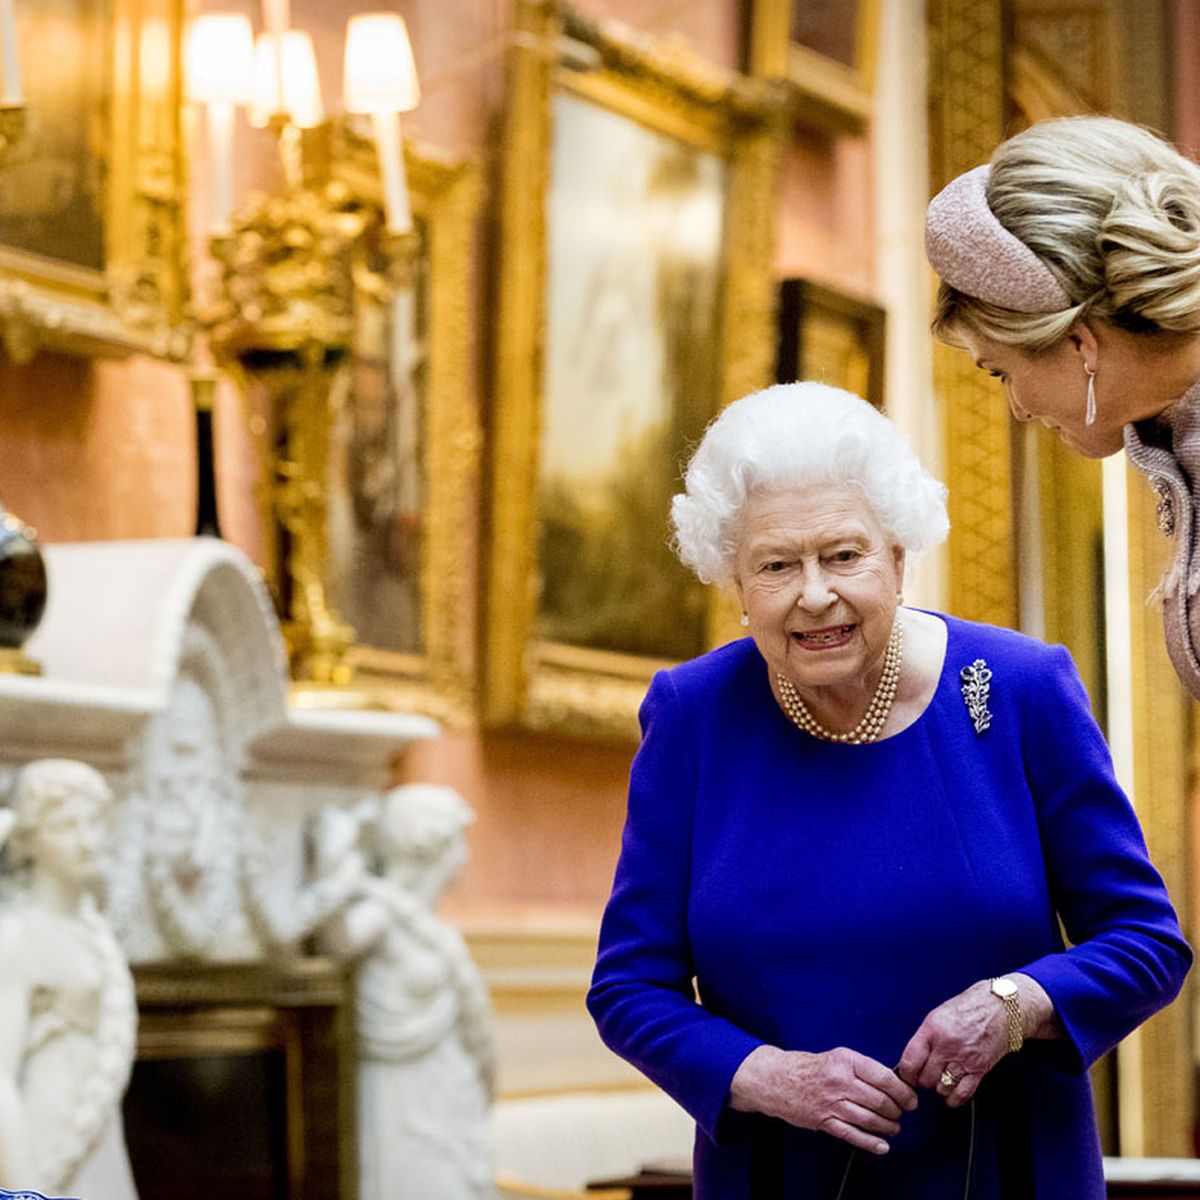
793 435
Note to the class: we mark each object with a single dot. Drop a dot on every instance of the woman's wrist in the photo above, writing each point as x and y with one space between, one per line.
750 1084
1038 1018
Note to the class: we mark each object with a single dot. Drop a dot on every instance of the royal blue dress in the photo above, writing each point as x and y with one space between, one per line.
825 895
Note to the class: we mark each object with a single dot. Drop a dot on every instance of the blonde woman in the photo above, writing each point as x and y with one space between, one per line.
1070 268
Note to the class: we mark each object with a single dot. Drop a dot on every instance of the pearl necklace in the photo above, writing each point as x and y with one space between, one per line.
878 711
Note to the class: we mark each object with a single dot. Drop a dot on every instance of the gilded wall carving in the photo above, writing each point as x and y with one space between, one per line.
966 85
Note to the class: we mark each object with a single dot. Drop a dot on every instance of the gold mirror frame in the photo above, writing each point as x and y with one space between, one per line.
665 85
445 194
136 303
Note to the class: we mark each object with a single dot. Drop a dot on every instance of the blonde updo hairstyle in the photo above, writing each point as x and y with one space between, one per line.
796 435
1114 212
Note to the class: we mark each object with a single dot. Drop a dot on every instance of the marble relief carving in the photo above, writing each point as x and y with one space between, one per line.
225 843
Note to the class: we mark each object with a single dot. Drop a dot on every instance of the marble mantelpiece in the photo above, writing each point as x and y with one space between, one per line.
164 668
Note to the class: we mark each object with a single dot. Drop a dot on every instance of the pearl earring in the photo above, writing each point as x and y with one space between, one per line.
745 620
1089 417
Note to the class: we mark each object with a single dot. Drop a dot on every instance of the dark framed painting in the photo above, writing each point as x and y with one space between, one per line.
829 336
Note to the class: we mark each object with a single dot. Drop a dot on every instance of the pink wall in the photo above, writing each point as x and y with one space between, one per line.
826 218
96 451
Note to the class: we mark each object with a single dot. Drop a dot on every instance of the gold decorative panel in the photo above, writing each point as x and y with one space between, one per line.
1155 1065
966 85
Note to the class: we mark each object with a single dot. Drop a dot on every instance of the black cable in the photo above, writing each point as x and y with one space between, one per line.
970 1159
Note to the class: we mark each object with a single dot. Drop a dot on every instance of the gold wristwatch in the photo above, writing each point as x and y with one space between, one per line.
1006 992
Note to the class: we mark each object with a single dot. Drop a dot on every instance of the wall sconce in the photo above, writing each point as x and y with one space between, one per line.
284 318
220 50
381 79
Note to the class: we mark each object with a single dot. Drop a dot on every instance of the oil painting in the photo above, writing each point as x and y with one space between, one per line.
52 187
376 494
632 374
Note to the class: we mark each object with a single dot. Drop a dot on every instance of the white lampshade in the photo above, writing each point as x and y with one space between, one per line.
380 73
300 96
220 49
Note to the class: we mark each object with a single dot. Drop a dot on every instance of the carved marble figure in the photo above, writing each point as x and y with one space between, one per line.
424 1018
68 1014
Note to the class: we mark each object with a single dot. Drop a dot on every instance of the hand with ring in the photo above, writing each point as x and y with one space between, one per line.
958 1043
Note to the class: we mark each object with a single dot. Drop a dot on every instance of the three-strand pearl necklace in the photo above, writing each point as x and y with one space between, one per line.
878 711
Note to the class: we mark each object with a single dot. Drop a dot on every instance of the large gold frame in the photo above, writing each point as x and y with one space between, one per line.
564 688
445 195
137 302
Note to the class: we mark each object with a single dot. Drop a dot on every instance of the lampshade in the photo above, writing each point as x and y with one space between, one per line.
220 49
300 96
380 74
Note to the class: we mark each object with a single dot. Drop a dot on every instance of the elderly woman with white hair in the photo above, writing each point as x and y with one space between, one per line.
834 935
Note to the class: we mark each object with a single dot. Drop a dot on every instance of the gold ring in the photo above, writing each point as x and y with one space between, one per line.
947 1080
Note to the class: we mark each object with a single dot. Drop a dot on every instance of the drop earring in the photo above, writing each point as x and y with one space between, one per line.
745 620
1089 417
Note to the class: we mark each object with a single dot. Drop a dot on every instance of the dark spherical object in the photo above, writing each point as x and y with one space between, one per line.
22 582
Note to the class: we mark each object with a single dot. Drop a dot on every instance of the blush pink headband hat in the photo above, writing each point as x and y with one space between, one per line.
974 253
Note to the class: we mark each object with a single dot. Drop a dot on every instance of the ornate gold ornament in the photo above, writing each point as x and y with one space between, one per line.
297 271
667 87
284 323
439 679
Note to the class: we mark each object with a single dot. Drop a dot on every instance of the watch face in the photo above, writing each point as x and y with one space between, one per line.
1004 988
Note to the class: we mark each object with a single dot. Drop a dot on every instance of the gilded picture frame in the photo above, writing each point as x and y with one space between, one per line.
825 51
686 115
428 588
832 337
92 238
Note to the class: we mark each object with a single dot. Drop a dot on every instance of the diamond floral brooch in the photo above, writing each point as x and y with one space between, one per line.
976 687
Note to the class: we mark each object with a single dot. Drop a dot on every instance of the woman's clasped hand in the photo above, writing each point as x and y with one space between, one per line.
851 1096
839 1092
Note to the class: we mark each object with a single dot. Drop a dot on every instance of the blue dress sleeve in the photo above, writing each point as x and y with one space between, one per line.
1128 956
642 996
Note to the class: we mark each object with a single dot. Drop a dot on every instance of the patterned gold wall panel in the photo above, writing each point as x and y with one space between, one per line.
966 84
1157 1120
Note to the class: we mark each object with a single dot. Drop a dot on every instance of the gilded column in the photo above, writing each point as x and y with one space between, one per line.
966 97
1156 1086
